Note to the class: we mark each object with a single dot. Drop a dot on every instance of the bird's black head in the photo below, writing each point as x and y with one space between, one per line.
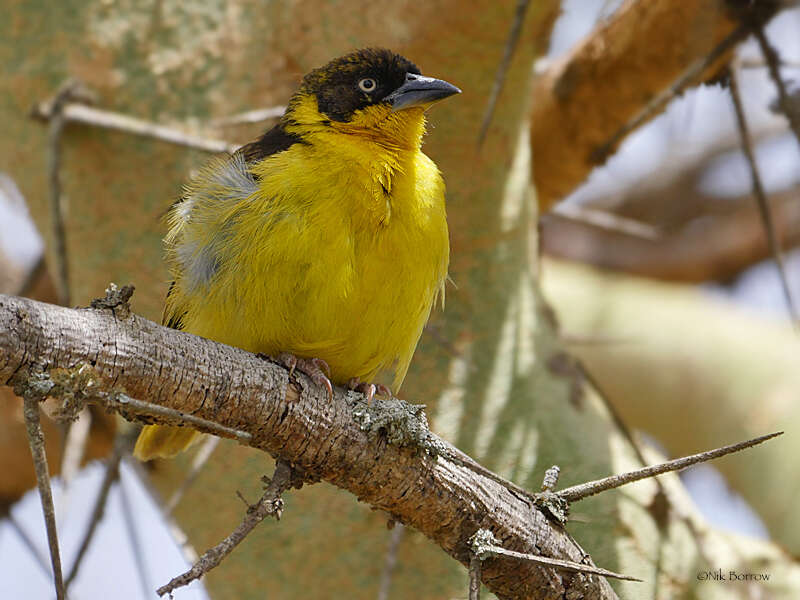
371 92
368 77
357 80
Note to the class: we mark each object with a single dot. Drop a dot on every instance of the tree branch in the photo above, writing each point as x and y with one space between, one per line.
383 453
584 490
36 439
269 504
111 475
760 195
620 77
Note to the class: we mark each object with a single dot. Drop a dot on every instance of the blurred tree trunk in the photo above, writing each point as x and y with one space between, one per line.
505 389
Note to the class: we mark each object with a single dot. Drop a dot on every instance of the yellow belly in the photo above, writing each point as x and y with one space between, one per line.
338 272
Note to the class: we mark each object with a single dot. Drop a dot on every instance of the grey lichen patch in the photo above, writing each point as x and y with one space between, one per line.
72 387
551 478
404 425
38 384
553 506
482 543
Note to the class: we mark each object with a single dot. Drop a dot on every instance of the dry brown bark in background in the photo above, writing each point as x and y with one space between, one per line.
709 247
585 98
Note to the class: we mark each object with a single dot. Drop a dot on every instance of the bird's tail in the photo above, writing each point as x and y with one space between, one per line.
163 441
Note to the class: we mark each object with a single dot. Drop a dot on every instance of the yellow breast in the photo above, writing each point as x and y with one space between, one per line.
335 248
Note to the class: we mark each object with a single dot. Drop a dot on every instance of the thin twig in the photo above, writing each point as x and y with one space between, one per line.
199 461
188 552
36 440
80 113
474 577
565 565
81 388
660 100
760 195
55 129
391 561
251 116
29 544
502 67
136 542
755 63
773 65
124 402
583 490
75 447
121 445
484 545
661 491
269 504
606 220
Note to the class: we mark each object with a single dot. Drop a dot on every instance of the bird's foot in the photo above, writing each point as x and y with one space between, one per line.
317 369
369 389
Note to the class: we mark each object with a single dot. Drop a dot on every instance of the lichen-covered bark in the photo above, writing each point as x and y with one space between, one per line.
338 440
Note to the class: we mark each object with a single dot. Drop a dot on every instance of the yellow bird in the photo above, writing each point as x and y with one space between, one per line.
324 241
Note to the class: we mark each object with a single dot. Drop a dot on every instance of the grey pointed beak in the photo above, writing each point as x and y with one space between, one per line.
420 91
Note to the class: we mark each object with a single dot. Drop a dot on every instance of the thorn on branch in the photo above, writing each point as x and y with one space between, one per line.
583 490
270 503
78 385
484 545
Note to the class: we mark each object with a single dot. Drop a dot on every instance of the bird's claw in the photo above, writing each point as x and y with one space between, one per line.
369 389
317 369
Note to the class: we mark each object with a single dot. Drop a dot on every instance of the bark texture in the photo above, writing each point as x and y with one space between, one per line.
583 99
372 452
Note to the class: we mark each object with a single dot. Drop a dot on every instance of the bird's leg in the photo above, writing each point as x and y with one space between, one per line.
369 389
317 369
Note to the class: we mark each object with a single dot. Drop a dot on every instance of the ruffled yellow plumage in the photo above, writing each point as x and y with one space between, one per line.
334 248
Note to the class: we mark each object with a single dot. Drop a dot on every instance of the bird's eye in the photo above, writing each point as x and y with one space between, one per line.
367 84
